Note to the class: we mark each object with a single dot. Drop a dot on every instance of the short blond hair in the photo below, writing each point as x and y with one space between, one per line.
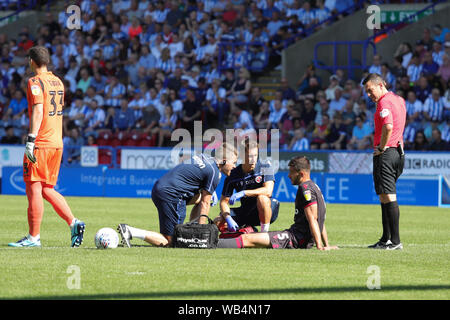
225 152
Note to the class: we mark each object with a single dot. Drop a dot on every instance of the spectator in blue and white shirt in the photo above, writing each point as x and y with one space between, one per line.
415 69
124 117
299 142
276 114
409 134
414 110
274 24
433 108
90 47
96 117
438 53
114 91
296 9
87 24
307 16
322 13
376 66
77 113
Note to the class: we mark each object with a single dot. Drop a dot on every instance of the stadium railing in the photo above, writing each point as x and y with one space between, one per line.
260 64
17 6
354 64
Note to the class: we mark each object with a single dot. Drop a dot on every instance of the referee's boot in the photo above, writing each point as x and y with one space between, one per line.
393 246
380 245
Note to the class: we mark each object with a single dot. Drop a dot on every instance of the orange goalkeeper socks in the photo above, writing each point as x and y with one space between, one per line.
35 207
58 202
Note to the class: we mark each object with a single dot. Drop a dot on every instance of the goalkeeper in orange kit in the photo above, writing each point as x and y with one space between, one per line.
43 150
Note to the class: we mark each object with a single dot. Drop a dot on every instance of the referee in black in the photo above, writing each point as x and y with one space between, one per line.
388 156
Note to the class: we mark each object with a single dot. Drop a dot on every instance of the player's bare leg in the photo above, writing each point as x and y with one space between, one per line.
263 204
256 240
157 239
154 238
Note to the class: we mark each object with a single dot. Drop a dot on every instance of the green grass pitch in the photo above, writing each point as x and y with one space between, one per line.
420 271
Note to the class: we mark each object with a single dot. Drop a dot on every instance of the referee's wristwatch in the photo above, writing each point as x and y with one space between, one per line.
381 149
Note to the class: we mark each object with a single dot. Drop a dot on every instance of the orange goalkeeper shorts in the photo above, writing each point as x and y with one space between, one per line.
46 168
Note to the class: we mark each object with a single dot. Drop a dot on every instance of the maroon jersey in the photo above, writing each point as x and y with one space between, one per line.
390 109
308 194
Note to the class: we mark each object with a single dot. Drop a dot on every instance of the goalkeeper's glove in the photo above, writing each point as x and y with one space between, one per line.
29 148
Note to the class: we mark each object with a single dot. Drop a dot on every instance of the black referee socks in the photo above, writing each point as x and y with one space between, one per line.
393 215
385 221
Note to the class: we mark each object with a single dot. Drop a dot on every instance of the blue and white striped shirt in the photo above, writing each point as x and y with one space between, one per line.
322 14
301 145
306 17
114 101
414 72
409 133
413 107
435 109
438 57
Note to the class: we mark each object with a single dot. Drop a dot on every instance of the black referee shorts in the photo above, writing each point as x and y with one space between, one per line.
387 167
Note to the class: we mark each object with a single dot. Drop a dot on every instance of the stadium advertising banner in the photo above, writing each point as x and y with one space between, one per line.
90 182
350 162
337 188
427 163
416 163
147 159
11 156
319 160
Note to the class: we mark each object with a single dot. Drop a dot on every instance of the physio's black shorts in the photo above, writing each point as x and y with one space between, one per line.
248 214
387 167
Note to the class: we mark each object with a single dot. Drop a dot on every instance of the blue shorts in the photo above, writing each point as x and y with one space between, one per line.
248 214
170 213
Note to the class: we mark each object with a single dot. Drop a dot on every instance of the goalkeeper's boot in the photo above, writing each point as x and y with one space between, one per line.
380 244
26 243
125 234
77 232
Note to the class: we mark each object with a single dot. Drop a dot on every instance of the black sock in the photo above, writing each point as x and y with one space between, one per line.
385 221
393 214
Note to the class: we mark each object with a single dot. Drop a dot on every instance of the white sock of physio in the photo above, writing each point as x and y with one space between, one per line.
265 227
137 233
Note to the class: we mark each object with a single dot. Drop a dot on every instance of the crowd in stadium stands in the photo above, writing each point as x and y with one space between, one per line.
136 70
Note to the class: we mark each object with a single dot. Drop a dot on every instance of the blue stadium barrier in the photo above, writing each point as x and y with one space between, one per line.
337 188
351 66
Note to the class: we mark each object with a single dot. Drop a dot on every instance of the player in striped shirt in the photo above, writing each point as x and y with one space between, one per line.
433 108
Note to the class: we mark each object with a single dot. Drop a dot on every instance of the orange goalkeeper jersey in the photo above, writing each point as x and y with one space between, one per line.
48 90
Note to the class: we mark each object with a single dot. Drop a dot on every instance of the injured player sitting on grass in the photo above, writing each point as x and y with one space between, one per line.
309 219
